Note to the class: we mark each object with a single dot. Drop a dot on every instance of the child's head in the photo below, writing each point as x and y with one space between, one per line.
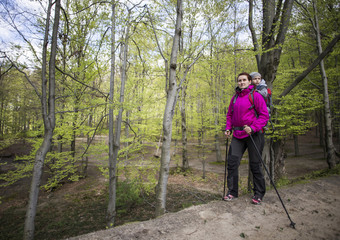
256 78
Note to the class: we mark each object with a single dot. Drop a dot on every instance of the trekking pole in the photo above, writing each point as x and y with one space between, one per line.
225 167
292 224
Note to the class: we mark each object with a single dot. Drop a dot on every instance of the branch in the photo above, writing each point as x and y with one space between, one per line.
160 51
252 31
307 15
276 18
69 75
188 68
308 43
130 128
93 135
26 76
312 66
285 18
89 6
7 70
13 25
82 109
154 31
198 56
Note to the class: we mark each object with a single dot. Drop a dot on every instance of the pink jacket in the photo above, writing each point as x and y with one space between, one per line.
240 114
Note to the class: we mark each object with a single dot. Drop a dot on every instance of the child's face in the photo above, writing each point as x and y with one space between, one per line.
256 80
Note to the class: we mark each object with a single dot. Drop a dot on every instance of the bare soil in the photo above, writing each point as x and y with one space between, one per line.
313 206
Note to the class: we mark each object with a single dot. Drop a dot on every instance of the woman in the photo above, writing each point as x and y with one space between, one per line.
244 119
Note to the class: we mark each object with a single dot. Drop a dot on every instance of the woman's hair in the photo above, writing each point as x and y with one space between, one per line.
247 74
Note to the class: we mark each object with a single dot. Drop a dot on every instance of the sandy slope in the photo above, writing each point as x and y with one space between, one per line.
314 207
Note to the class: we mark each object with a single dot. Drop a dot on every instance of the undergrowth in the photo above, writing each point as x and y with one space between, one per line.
310 176
85 212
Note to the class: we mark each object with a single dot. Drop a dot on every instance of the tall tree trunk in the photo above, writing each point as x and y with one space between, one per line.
296 145
118 129
62 85
172 94
85 162
111 208
276 17
331 158
185 161
74 130
48 112
216 101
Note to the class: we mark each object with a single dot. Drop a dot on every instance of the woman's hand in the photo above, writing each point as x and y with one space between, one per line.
227 133
248 129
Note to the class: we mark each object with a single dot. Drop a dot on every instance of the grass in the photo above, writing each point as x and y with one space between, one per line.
310 176
243 161
57 220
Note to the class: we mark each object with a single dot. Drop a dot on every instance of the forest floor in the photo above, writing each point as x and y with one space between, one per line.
79 208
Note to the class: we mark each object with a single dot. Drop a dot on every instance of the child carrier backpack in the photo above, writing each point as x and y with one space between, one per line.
268 101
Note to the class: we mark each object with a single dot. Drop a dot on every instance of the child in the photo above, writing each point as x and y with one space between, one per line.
259 83
261 87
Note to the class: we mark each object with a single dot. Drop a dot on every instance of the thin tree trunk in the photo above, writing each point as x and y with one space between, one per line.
111 208
88 142
216 96
296 145
118 129
185 162
171 100
48 112
74 128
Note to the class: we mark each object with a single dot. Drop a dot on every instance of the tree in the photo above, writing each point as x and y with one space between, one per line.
171 99
275 22
115 139
111 208
48 112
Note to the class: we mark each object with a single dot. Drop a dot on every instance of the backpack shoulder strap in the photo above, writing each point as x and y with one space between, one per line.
251 99
235 97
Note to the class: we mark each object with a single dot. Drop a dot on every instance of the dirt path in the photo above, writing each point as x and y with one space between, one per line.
314 207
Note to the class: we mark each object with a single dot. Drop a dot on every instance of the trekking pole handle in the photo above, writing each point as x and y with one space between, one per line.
248 129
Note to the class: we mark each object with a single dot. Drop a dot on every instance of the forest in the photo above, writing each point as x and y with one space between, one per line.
139 90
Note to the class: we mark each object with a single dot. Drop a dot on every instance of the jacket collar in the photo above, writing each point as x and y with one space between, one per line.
246 91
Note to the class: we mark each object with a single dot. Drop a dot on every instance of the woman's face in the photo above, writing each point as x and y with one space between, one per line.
243 81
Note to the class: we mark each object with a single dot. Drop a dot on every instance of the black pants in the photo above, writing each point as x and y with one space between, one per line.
236 151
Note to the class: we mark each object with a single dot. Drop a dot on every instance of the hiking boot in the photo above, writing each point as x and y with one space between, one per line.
229 197
256 200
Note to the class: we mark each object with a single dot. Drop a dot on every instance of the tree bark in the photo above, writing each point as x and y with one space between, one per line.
168 117
185 161
296 145
48 112
216 101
